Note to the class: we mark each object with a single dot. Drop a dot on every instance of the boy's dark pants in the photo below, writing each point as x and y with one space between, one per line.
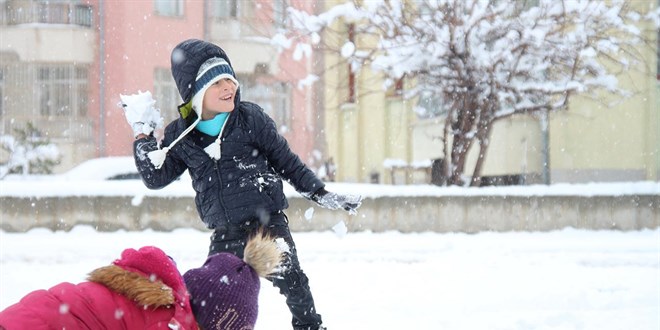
293 283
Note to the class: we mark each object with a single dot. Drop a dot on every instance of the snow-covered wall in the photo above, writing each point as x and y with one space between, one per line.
115 205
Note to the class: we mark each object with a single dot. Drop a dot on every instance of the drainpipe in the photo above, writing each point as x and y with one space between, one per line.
101 80
545 145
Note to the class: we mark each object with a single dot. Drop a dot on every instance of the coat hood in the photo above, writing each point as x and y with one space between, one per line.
141 290
186 60
196 65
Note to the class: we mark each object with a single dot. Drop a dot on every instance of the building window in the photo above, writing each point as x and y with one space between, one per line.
279 13
272 97
430 106
172 8
62 90
80 84
423 8
528 4
166 94
54 97
48 12
431 103
226 8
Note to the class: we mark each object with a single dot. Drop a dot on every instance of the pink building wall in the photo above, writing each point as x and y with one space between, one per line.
135 42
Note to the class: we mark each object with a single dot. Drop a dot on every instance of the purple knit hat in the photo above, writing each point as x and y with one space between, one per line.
225 293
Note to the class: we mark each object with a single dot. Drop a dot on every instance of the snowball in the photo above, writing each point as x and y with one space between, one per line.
309 213
340 229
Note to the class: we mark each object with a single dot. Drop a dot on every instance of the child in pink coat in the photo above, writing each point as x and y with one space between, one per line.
141 290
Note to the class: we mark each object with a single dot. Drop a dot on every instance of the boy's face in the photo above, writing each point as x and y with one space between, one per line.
219 97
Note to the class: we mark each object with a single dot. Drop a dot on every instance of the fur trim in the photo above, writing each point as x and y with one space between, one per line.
262 254
133 286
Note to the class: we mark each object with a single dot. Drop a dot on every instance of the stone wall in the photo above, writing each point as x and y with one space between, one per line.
468 214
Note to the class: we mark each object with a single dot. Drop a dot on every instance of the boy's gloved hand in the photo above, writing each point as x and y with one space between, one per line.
330 200
141 113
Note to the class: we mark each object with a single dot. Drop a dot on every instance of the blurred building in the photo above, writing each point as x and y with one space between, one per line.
63 64
375 136
48 56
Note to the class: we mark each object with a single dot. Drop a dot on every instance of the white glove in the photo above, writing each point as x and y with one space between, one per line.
141 113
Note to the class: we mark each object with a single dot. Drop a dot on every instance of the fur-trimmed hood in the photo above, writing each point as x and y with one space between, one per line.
141 290
154 267
136 287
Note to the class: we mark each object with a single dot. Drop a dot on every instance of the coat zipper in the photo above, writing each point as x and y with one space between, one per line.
216 167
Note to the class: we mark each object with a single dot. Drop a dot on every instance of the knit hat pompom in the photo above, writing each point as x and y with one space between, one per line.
225 290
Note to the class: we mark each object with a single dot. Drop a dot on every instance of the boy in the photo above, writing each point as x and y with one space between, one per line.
236 159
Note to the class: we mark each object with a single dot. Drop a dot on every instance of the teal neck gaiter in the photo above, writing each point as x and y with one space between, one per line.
213 126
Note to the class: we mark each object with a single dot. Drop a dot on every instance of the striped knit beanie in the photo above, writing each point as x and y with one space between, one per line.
211 71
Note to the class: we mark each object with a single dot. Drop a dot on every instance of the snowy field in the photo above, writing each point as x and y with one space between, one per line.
569 279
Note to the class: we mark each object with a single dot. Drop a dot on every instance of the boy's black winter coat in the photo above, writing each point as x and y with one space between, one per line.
245 184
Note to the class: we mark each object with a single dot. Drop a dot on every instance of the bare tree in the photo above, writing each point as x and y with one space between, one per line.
488 60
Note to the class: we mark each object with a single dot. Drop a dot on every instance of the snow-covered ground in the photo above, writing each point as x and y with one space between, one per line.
569 279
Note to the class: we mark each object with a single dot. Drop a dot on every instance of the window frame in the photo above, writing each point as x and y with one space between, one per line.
273 96
431 100
169 8
280 16
166 93
62 90
226 9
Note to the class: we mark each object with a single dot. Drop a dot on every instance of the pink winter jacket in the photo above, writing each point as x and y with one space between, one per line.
142 290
